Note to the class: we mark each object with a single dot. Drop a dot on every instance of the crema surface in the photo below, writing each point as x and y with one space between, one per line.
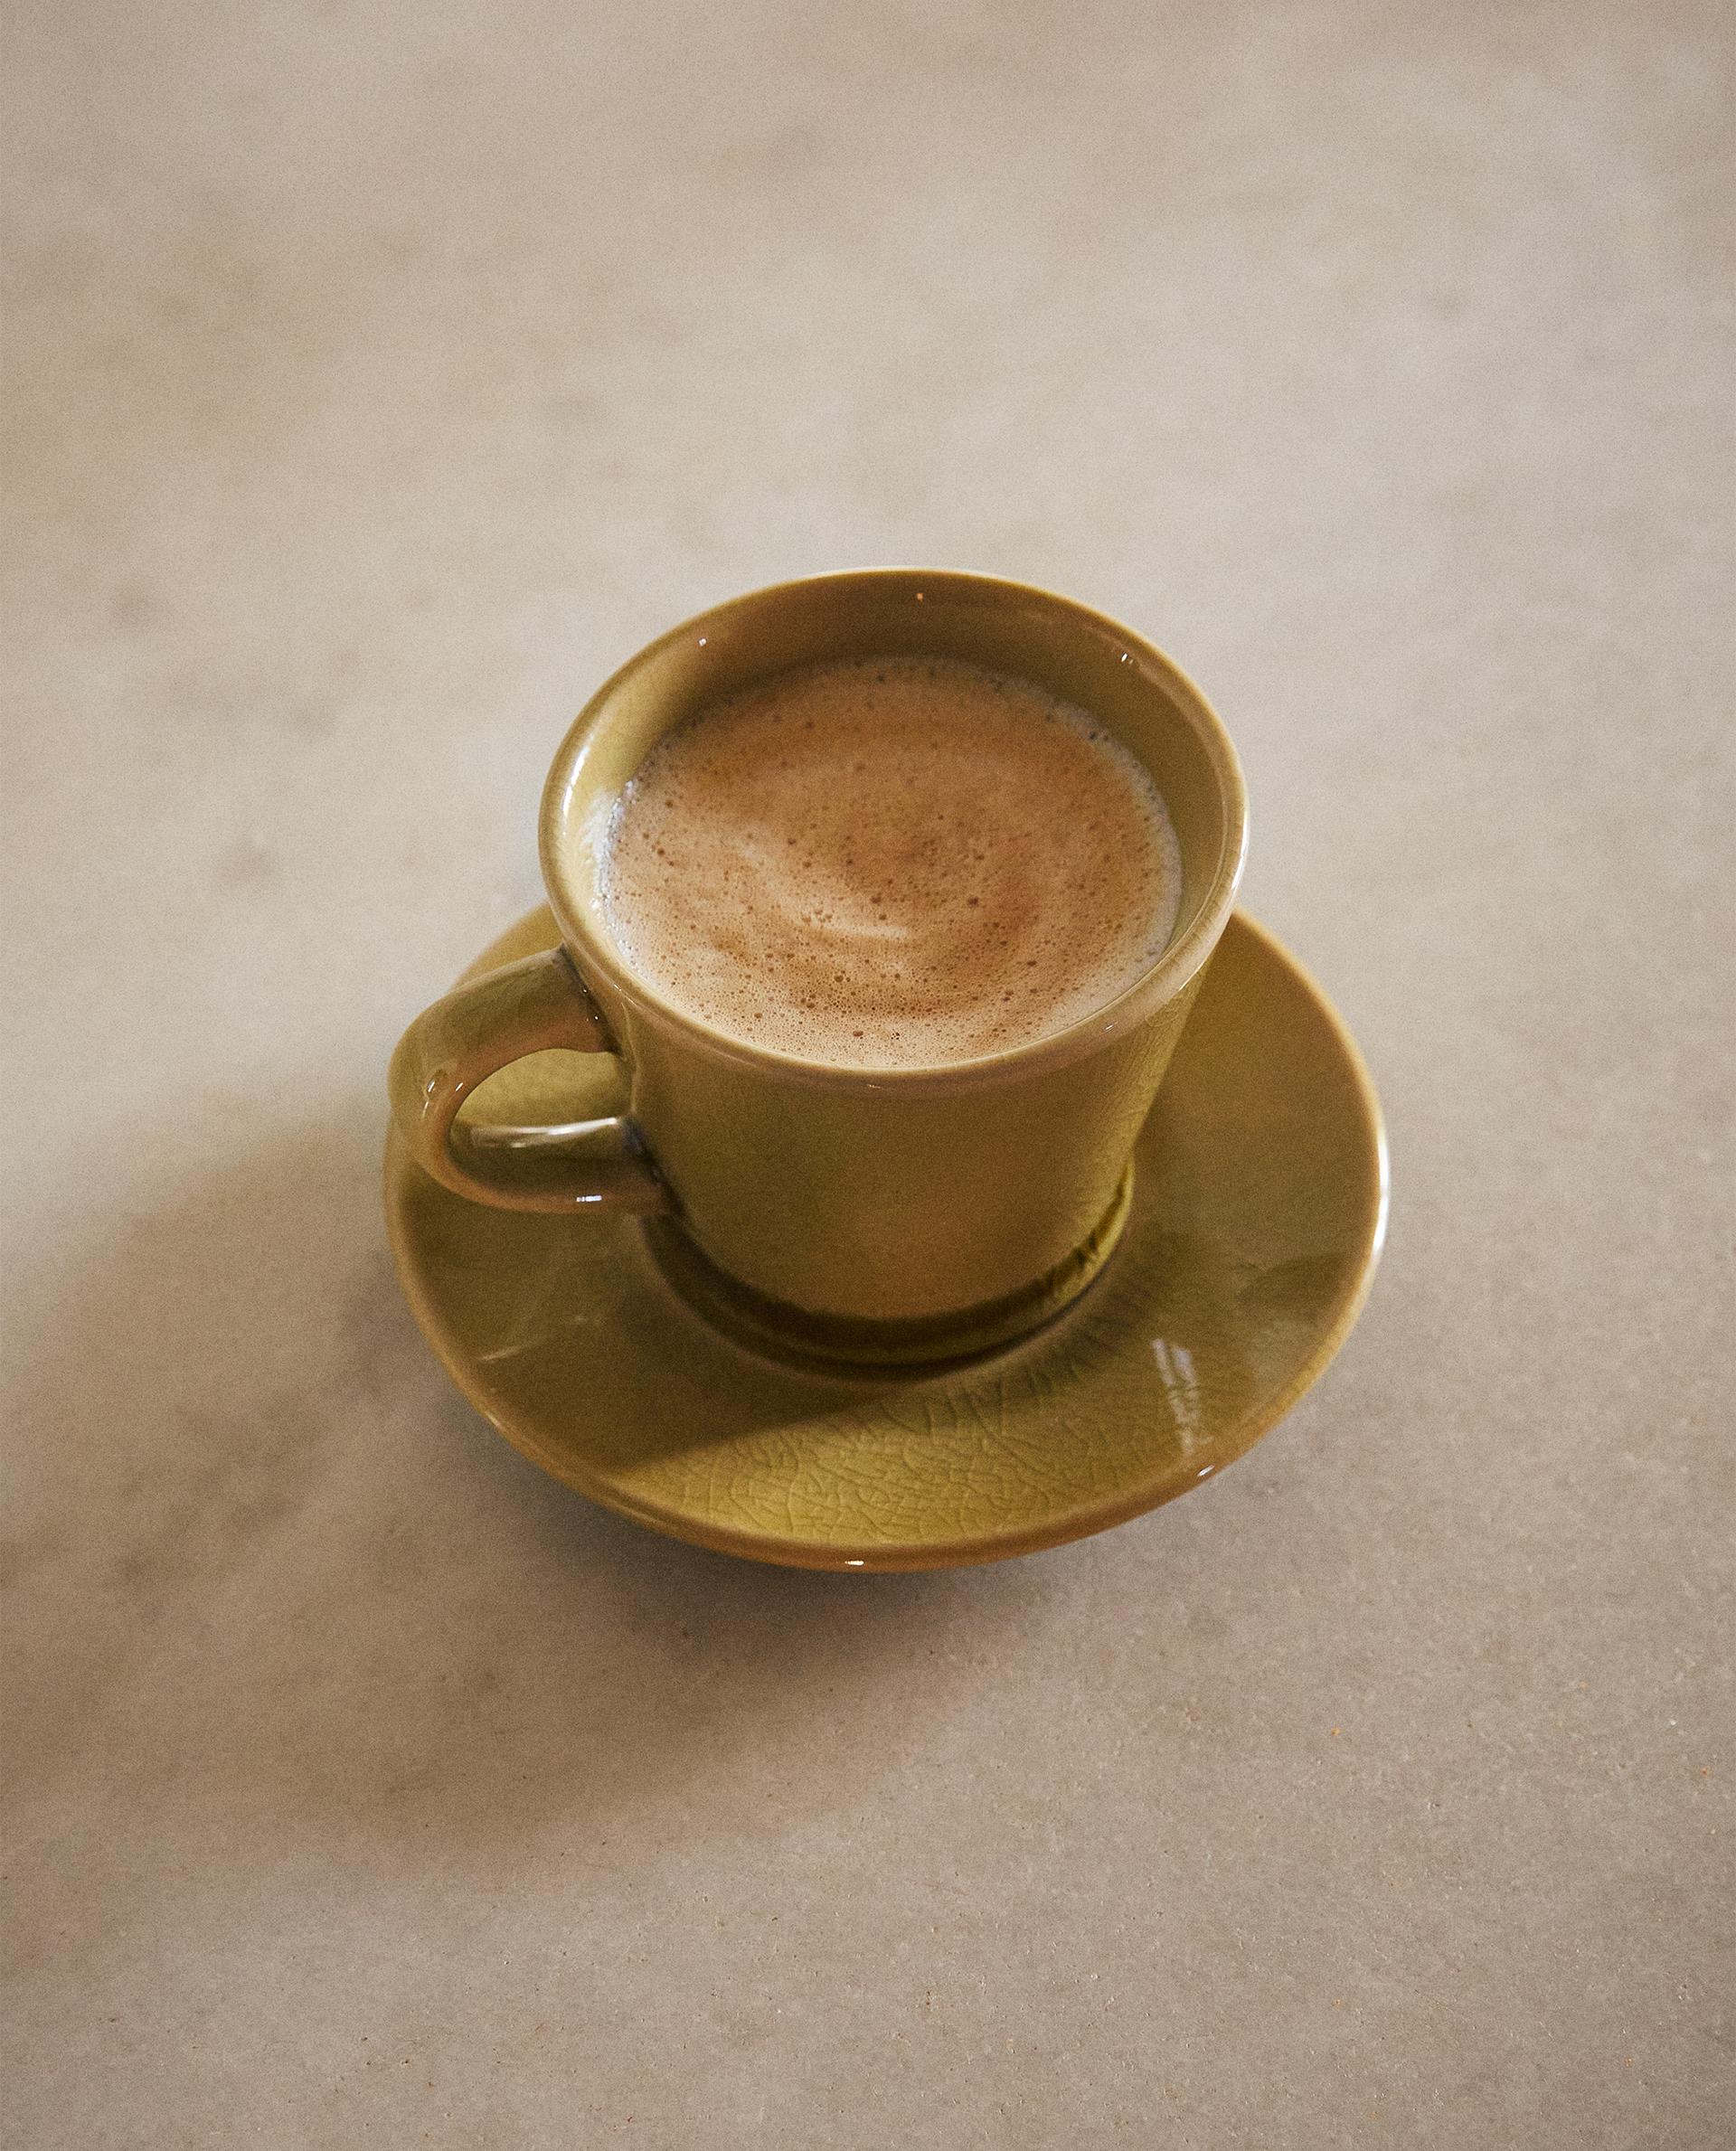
891 863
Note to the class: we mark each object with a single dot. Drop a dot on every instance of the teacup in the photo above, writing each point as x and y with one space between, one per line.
859 1214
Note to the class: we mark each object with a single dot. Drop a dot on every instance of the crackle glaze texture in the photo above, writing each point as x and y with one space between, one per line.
1258 1201
379 378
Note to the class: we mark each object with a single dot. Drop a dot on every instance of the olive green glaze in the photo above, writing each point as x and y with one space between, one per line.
792 1332
538 1004
1258 1206
955 1203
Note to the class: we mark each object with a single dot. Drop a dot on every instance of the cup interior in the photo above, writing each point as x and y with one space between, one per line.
1088 659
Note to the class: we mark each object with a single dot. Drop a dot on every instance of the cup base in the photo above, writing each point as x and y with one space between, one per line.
794 1333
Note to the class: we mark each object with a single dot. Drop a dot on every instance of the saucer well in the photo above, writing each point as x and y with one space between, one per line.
1259 1207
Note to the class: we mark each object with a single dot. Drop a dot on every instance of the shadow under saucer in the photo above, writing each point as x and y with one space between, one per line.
1259 1207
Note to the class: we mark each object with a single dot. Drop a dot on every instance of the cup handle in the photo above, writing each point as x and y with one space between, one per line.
479 1029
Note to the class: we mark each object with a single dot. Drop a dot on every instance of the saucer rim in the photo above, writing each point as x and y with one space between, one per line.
868 1557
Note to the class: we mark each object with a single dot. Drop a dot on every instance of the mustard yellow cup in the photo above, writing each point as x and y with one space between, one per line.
858 1214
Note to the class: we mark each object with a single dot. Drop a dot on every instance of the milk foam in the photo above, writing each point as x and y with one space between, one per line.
891 863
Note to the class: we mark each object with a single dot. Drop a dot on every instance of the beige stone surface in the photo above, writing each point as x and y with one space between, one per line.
379 376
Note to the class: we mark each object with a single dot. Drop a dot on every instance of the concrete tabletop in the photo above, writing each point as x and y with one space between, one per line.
378 378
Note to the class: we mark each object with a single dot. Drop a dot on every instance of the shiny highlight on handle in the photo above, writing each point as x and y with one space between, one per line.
532 1007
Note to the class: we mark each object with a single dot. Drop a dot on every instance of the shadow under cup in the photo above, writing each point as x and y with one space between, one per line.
907 1214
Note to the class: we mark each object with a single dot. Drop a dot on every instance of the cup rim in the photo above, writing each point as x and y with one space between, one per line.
1185 955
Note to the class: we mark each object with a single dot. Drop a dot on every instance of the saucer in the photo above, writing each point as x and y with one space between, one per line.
1259 1207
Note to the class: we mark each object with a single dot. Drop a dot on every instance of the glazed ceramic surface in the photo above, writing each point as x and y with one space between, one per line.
1258 1205
888 1213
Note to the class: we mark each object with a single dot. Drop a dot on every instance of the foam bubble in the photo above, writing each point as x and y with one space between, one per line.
893 862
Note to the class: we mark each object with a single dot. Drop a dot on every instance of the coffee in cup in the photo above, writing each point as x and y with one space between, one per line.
891 861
